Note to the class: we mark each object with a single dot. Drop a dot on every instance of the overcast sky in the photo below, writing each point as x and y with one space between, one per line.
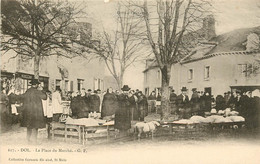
229 15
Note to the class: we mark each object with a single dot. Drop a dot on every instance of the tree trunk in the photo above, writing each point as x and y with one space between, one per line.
120 80
119 83
165 102
37 65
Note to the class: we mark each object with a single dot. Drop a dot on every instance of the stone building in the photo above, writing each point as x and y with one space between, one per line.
223 63
70 74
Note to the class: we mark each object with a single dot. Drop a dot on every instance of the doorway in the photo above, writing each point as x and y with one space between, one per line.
208 89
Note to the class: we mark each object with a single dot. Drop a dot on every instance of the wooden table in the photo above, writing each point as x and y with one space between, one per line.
211 128
180 127
88 129
83 132
62 129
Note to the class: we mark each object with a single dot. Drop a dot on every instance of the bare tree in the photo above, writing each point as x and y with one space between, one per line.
122 48
39 28
167 24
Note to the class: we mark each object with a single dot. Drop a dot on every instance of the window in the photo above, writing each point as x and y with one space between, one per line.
58 83
208 90
80 84
207 72
245 69
190 74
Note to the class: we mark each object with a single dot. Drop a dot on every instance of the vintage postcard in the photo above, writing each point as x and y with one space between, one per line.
130 81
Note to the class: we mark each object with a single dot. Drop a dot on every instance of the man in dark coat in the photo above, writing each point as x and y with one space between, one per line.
74 104
94 102
122 116
239 103
220 103
109 104
232 101
195 103
255 114
173 102
142 106
208 102
183 104
33 110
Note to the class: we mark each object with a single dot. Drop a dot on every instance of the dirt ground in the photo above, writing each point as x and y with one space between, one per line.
162 149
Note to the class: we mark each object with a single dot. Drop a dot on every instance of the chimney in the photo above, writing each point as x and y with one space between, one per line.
253 42
209 27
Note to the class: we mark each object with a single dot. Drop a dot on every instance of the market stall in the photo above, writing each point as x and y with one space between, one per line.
83 129
211 125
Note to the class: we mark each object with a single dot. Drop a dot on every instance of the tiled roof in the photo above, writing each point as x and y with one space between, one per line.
221 53
230 43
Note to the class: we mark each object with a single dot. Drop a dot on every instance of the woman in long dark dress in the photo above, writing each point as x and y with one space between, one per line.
109 104
122 115
79 106
83 107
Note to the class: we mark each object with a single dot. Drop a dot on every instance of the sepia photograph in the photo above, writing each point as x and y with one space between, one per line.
130 81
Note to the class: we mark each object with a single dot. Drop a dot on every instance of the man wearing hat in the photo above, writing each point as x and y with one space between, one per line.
123 114
240 103
183 104
33 117
195 103
89 92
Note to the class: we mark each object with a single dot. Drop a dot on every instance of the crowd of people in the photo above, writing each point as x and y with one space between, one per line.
247 104
125 107
30 108
129 105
